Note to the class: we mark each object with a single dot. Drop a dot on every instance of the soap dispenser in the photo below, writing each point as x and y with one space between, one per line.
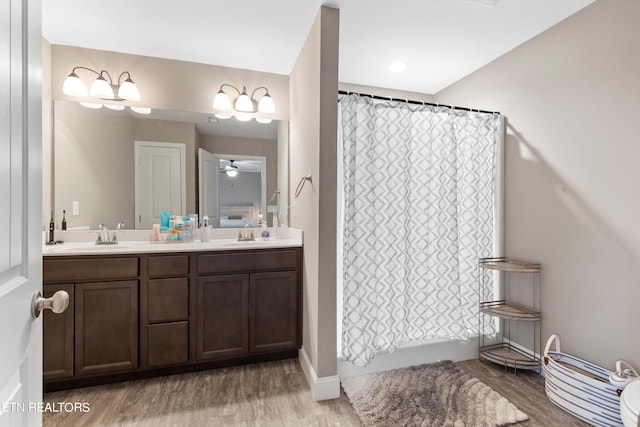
204 231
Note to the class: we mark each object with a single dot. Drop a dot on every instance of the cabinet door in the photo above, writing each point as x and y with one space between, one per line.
223 316
106 321
274 311
57 337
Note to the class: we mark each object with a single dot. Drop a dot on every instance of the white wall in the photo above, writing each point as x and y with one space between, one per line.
572 99
245 187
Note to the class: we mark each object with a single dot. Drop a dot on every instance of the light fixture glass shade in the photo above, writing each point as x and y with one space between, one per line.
232 173
223 116
261 120
244 102
92 105
266 104
129 91
100 88
114 107
141 110
221 101
74 86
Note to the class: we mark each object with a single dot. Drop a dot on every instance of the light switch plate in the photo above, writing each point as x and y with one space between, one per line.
76 207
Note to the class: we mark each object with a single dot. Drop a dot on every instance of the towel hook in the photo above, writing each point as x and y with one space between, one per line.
301 184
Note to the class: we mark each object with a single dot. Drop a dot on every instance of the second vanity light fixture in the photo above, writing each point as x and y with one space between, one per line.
243 103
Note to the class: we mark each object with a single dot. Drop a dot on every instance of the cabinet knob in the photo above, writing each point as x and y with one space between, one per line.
57 303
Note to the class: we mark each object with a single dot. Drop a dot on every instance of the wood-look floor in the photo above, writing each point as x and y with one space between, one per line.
266 394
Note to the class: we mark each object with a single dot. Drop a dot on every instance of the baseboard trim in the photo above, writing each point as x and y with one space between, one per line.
323 388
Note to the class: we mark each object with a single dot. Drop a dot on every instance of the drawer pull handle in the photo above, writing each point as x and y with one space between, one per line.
57 303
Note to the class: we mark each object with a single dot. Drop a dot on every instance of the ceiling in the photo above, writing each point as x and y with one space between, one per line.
441 41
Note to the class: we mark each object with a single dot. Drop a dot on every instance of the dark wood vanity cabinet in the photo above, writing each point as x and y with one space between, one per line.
249 303
98 333
273 311
151 314
57 334
223 316
106 327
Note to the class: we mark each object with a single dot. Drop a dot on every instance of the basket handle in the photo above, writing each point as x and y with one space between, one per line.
620 367
552 339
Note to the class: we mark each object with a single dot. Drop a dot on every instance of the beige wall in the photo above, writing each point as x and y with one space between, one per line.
47 133
93 154
167 84
313 134
164 84
571 96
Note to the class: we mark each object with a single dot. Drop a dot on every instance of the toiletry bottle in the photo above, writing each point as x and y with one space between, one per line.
64 219
188 230
204 231
275 223
52 226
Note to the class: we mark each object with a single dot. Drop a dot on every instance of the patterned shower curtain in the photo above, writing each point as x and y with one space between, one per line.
418 209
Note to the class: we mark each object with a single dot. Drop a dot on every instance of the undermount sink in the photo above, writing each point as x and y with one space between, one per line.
242 242
87 247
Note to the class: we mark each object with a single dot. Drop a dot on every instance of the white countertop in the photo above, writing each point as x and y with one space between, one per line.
74 244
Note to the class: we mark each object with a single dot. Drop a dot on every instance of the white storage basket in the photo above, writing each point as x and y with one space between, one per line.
582 388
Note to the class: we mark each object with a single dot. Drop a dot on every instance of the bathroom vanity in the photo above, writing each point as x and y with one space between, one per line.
142 310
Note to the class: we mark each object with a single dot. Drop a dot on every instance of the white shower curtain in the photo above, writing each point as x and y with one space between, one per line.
418 212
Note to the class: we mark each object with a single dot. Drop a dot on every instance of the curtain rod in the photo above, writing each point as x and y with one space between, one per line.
409 101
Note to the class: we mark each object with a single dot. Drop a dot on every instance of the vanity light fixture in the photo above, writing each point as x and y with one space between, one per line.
92 105
141 110
123 89
244 103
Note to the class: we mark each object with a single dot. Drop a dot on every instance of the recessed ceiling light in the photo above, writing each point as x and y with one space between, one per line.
397 66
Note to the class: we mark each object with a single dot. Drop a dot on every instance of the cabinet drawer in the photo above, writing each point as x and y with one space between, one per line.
79 269
168 299
174 265
242 262
168 343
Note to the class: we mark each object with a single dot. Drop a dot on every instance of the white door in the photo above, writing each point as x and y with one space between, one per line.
20 210
208 171
160 180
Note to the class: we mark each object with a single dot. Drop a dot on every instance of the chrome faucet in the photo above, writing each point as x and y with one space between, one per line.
103 235
244 236
119 228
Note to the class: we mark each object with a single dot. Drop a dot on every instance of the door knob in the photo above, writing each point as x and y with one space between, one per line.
57 303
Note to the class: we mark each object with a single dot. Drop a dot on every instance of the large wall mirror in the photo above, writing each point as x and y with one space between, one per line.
111 166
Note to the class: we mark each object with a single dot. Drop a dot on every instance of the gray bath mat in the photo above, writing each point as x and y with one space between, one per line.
437 394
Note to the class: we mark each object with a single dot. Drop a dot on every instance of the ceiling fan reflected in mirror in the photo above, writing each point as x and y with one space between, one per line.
231 170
